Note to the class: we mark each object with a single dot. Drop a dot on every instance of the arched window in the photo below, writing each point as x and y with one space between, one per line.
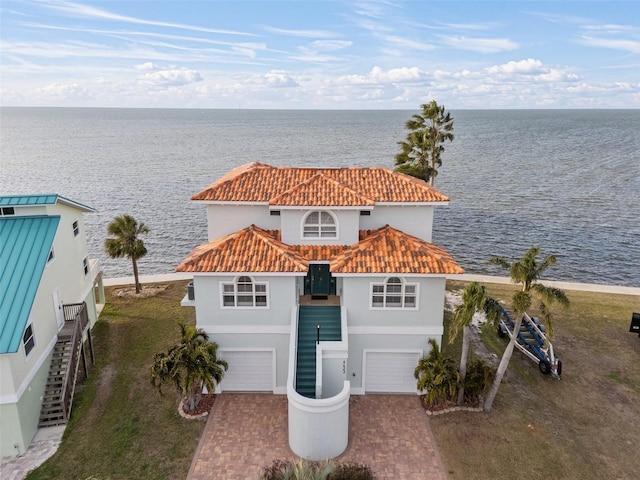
320 225
244 292
394 293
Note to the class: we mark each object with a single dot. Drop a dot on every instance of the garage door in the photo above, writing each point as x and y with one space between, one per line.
249 371
390 371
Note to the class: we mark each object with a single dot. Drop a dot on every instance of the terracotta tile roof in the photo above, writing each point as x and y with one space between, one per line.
318 190
249 250
385 250
388 250
260 183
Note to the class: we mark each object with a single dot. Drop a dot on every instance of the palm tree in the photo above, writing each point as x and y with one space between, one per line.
420 155
126 243
474 299
189 364
526 272
437 376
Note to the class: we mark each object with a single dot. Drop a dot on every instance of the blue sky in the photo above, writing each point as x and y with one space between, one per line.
320 54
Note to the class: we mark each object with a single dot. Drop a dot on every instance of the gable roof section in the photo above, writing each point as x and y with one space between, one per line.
317 191
388 250
252 249
260 183
26 242
385 250
40 200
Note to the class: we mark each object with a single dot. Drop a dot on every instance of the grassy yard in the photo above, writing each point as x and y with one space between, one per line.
121 428
583 426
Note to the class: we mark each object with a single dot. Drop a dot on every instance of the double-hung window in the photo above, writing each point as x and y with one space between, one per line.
76 228
319 225
244 292
394 293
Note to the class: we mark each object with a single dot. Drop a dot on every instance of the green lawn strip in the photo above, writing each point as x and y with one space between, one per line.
121 428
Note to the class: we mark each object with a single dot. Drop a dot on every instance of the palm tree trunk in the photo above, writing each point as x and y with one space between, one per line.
135 275
463 362
502 367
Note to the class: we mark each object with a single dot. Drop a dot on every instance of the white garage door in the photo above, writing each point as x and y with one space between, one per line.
390 371
249 371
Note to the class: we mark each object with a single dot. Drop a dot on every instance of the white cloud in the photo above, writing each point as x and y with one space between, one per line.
57 92
522 67
147 66
480 45
170 77
301 33
632 46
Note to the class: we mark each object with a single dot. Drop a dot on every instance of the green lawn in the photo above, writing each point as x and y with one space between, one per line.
121 428
584 426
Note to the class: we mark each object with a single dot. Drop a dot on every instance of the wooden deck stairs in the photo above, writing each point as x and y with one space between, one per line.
63 370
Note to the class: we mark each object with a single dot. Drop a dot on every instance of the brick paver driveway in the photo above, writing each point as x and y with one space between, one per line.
246 432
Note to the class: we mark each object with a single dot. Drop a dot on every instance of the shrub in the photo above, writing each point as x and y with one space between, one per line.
437 376
306 470
479 378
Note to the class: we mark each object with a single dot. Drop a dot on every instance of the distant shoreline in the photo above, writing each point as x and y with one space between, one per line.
583 287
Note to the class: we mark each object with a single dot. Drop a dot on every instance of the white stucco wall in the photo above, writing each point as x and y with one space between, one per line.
282 295
225 219
357 299
347 223
414 220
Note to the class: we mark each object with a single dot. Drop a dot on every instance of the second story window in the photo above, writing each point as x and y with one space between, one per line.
244 292
51 256
85 265
7 211
394 293
320 225
76 228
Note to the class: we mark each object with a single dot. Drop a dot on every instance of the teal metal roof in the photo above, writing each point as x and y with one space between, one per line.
25 243
37 200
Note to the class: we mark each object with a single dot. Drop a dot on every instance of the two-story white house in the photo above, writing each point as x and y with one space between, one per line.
48 287
319 283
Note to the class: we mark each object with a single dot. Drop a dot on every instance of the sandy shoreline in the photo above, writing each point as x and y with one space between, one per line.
585 287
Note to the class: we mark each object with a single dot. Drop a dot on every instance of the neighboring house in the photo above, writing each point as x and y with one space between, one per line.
48 288
319 283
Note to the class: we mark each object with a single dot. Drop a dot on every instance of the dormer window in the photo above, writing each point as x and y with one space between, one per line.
320 225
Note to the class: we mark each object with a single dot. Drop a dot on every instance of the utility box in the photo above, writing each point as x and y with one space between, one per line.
635 323
190 293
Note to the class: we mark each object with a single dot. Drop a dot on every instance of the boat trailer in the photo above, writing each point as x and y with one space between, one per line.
532 341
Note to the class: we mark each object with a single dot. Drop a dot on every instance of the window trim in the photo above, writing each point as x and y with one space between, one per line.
403 294
28 343
237 293
319 225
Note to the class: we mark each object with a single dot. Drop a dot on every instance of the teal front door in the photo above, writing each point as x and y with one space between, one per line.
319 280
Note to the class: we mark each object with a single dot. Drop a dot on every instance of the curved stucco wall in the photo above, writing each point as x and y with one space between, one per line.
318 428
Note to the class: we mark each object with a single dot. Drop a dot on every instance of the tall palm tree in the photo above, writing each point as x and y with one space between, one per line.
421 151
474 299
189 364
126 243
526 272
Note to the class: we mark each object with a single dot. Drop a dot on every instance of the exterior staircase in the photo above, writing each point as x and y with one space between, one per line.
63 370
310 316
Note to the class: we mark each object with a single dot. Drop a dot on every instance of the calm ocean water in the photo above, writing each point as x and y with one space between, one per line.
567 180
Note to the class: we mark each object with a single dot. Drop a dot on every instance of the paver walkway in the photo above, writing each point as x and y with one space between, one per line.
246 432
